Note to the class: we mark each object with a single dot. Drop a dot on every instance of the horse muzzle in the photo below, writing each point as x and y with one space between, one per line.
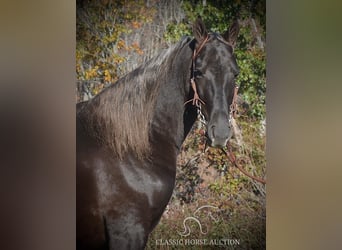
219 134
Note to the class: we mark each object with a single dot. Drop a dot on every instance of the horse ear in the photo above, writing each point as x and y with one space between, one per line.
232 33
199 30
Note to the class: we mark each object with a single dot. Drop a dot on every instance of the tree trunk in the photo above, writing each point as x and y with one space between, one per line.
257 34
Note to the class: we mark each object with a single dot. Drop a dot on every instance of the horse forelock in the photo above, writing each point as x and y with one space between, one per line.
120 116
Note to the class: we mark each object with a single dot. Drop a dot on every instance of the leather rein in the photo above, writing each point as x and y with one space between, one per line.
197 101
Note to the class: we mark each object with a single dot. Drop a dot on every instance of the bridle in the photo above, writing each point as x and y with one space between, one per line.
197 101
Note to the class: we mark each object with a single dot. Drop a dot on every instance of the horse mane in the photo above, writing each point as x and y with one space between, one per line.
120 116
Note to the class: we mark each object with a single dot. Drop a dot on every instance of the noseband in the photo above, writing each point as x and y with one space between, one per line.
196 100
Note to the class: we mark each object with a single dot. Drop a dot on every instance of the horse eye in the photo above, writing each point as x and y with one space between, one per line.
197 73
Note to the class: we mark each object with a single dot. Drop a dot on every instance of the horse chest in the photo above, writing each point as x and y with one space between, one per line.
155 185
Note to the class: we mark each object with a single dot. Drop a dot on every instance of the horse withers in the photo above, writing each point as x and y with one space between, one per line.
129 135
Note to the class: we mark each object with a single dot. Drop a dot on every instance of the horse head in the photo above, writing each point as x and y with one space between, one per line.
214 70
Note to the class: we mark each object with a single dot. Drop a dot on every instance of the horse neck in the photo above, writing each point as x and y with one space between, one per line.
167 130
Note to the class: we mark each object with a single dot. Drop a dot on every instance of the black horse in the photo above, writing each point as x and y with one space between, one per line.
129 135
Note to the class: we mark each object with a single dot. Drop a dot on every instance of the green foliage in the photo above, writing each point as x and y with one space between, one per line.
226 186
175 31
252 80
100 28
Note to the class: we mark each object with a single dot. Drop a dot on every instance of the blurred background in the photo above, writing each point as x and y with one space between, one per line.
37 100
